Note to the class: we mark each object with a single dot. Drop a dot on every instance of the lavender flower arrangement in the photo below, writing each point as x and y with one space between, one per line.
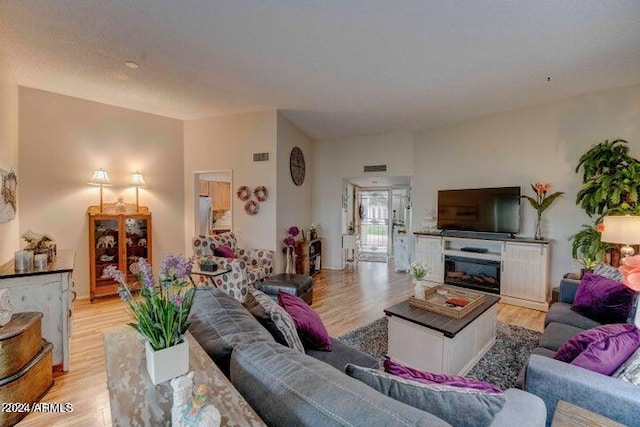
161 311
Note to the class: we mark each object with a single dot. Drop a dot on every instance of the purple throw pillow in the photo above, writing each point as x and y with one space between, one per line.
309 325
602 349
224 251
408 373
603 300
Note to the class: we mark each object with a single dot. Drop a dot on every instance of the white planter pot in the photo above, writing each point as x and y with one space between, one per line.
168 363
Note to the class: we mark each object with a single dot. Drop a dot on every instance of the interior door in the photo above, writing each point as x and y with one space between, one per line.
373 212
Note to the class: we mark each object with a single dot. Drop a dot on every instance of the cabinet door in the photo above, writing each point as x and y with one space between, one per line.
524 272
204 188
138 243
225 195
104 240
428 251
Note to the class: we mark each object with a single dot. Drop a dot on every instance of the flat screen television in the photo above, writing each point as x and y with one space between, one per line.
486 210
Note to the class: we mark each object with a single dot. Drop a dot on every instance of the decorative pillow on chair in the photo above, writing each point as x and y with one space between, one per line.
460 407
409 373
308 323
274 318
224 251
603 300
602 349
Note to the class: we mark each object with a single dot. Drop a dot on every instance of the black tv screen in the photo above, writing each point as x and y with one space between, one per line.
487 210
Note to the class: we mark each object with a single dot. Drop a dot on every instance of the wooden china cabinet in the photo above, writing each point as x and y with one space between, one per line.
118 236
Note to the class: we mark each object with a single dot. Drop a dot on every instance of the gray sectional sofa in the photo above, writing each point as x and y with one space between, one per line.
288 388
553 380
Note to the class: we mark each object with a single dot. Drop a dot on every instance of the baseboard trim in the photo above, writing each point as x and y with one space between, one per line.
540 306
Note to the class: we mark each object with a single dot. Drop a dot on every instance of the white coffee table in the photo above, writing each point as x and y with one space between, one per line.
436 343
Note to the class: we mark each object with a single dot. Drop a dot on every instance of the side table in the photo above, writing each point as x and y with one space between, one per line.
569 415
135 401
206 277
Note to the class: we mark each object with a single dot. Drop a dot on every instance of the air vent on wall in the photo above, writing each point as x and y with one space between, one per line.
261 157
375 168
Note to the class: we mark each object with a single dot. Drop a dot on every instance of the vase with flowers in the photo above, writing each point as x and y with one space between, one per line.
289 249
541 203
161 314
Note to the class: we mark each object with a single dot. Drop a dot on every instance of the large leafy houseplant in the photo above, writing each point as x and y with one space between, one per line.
161 311
611 179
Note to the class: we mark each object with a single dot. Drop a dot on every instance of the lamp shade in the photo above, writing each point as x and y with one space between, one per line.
136 180
100 177
621 229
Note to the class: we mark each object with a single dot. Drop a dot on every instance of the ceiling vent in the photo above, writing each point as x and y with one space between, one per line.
375 168
261 157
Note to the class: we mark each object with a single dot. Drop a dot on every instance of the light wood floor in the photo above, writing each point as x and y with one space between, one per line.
344 299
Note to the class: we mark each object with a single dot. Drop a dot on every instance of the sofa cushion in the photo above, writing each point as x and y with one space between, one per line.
603 300
461 407
409 373
608 271
561 312
630 369
310 327
219 323
341 354
274 318
602 349
556 334
522 376
287 388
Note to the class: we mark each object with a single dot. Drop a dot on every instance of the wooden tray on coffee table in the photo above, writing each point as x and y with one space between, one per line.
444 300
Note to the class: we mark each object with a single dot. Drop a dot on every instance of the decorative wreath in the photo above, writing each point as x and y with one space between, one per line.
261 193
243 193
251 207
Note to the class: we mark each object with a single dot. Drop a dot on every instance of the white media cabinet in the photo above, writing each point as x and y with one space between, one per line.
524 263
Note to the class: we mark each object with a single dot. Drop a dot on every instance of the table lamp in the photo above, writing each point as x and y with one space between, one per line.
100 178
137 181
623 229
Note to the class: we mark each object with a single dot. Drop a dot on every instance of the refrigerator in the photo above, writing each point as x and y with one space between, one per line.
204 215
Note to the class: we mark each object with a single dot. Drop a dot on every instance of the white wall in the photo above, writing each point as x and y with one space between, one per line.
227 143
336 159
294 202
9 231
64 139
520 147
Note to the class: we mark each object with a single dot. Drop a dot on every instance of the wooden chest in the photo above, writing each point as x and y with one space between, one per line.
25 365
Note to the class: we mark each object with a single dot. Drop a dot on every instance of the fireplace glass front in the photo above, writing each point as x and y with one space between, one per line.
473 273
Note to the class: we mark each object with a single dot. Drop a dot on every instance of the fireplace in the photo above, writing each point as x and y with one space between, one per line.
473 273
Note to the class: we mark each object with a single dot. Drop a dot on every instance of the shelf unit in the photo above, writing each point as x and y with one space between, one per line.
308 257
118 239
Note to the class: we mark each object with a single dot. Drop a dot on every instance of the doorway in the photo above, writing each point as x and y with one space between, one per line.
213 207
373 213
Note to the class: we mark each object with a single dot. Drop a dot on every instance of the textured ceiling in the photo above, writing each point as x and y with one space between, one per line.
335 67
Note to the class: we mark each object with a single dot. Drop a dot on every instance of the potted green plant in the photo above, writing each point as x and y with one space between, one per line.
587 248
419 273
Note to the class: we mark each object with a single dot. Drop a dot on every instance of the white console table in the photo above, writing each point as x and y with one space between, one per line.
50 292
524 264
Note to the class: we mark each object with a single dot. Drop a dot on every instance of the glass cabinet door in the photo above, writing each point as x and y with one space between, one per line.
106 249
137 245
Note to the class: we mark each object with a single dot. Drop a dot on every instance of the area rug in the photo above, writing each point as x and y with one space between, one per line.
500 365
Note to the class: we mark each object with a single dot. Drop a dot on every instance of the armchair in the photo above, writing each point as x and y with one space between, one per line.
253 265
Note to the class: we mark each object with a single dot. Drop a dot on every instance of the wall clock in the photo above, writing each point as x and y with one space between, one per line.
8 201
297 166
